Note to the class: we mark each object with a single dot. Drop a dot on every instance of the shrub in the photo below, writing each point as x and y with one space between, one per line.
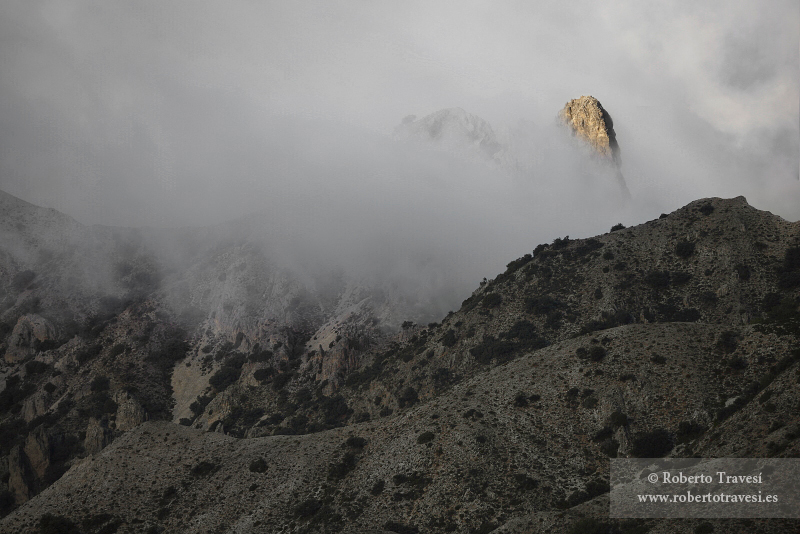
56 524
706 209
653 444
727 341
542 305
400 528
680 277
657 279
492 300
259 465
50 387
338 471
618 226
224 377
617 419
100 383
355 442
307 508
425 437
280 381
36 367
377 488
589 403
203 468
657 358
117 349
684 249
88 353
743 271
409 397
597 353
263 375
449 338
490 348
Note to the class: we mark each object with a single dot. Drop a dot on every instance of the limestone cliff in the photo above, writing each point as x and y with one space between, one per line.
590 122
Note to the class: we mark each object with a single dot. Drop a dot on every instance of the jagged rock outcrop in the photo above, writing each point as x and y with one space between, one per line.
590 122
29 330
20 475
37 449
130 413
452 129
97 436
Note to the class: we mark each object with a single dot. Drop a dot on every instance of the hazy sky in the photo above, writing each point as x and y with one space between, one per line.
178 112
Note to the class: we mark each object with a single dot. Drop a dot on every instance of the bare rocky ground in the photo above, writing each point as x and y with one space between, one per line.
675 337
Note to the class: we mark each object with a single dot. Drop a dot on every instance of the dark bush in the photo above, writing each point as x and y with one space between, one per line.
597 353
400 528
56 524
307 508
339 470
88 353
684 249
199 405
203 468
377 488
653 444
727 341
657 358
657 279
259 465
425 437
263 375
618 226
706 209
589 403
680 278
50 387
100 383
617 419
36 367
117 349
409 397
743 271
355 442
281 380
490 348
542 305
738 363
689 430
561 242
449 338
224 377
492 300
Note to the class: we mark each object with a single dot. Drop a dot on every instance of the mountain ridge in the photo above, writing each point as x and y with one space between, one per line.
668 323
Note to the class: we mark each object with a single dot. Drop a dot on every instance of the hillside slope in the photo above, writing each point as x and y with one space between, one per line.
675 337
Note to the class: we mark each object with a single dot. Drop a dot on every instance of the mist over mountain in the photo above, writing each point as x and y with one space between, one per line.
323 267
298 406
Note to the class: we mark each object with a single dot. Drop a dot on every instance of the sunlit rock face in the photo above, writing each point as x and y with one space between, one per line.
589 121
